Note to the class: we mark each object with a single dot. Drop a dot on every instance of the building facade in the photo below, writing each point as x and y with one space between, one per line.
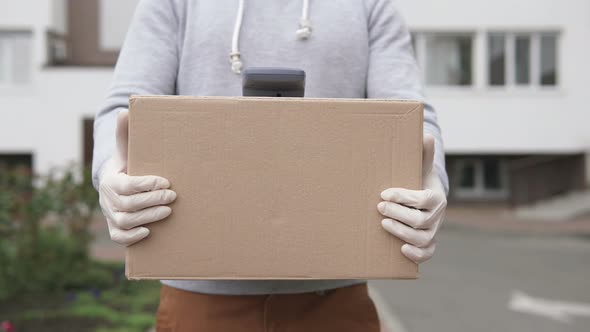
509 80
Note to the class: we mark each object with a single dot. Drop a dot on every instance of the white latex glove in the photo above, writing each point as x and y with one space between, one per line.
415 216
128 202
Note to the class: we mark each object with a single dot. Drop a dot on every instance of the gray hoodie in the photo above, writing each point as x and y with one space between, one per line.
348 49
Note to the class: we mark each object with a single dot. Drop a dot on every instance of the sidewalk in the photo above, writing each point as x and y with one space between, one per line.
484 217
102 247
504 219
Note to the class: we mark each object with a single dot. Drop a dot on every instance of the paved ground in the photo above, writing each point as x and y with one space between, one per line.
483 258
494 217
471 280
102 246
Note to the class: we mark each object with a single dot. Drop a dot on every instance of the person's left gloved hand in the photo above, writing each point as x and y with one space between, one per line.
415 216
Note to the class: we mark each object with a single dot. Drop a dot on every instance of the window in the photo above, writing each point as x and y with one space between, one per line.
492 177
15 57
497 63
511 59
445 58
57 49
480 178
16 168
522 54
467 175
548 60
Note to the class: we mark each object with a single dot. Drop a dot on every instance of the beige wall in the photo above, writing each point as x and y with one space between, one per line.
84 35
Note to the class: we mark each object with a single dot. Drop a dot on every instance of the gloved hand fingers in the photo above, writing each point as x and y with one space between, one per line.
427 154
128 237
124 184
143 200
417 237
122 138
420 199
415 218
418 255
129 220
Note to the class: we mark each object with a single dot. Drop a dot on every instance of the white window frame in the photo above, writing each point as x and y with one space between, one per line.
510 60
6 57
420 37
479 191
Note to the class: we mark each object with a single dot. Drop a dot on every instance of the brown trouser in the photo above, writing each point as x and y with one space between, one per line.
344 309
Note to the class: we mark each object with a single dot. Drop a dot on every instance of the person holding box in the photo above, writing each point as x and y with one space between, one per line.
354 49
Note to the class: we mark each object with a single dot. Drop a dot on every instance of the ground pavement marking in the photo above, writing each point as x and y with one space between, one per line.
390 322
557 310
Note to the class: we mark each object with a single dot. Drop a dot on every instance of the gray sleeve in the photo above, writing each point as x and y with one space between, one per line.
147 65
393 72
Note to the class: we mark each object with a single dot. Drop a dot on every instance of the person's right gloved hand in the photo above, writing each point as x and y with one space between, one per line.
129 202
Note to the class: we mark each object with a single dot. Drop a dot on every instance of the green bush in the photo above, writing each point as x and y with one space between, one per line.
45 233
47 279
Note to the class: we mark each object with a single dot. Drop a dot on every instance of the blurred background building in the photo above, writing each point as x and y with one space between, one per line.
509 83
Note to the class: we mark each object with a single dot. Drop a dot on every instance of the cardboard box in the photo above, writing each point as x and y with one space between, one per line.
273 188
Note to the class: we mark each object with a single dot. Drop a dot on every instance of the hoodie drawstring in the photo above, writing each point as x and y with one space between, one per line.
303 32
234 56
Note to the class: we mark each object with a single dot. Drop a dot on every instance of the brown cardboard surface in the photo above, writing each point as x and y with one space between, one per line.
273 188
